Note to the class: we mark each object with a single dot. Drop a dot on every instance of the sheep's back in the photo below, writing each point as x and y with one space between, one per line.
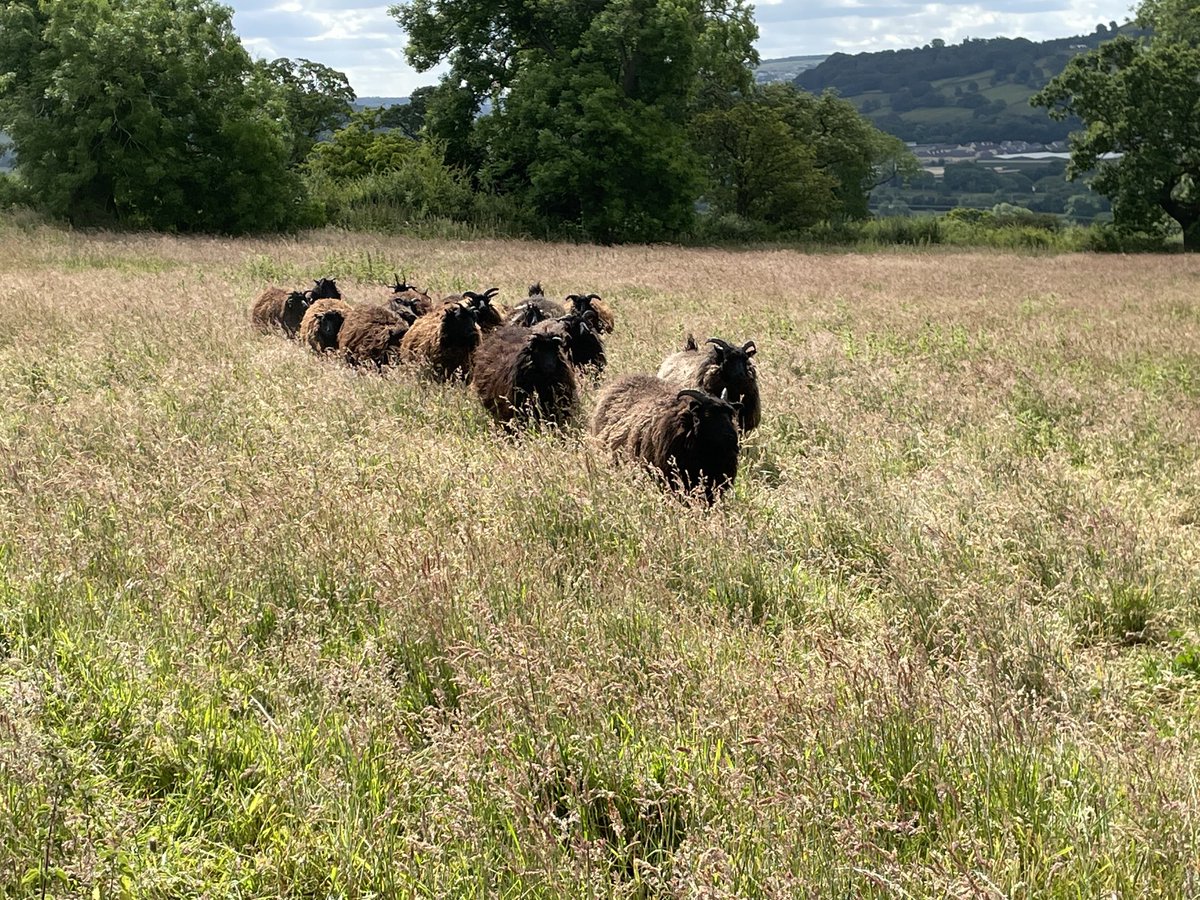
682 368
267 311
494 370
371 333
627 411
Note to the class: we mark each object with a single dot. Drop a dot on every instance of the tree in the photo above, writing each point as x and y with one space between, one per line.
142 113
845 146
316 99
409 118
1140 99
759 170
589 101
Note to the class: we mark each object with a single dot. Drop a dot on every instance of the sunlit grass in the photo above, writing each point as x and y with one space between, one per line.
272 627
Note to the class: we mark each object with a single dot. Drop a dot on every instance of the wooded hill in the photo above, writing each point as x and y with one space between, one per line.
978 90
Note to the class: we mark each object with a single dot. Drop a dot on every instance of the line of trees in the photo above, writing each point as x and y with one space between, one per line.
611 121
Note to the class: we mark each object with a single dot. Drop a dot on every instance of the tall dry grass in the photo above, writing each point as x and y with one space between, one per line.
272 628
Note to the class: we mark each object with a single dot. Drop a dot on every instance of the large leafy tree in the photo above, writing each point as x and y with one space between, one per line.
590 101
144 113
316 100
1139 99
759 170
846 147
787 158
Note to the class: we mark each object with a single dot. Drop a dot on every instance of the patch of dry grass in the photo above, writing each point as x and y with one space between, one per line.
269 627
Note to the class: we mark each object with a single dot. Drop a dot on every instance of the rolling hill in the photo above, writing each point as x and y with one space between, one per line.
978 90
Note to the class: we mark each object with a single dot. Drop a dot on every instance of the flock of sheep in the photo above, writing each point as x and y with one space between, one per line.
524 365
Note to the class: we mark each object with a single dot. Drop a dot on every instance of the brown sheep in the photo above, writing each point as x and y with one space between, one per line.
277 308
409 302
444 341
581 303
688 436
535 309
322 322
489 317
581 337
371 335
523 376
721 369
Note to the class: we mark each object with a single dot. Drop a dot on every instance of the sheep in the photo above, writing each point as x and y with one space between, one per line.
580 303
489 317
322 322
371 334
524 376
535 309
408 302
277 308
581 337
687 435
722 368
444 341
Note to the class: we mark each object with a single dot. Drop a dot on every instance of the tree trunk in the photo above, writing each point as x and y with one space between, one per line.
1191 235
1187 214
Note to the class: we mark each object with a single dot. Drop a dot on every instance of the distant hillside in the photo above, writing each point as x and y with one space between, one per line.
786 68
364 102
978 90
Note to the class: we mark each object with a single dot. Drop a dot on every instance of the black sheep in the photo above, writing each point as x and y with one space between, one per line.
688 436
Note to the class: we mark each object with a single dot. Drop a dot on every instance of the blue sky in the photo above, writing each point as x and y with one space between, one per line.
365 43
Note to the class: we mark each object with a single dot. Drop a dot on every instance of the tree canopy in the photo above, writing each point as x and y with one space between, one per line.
150 113
316 99
590 102
1139 99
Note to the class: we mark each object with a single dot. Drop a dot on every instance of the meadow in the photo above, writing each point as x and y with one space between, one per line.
269 627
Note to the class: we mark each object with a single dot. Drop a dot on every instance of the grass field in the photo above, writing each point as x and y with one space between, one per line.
271 628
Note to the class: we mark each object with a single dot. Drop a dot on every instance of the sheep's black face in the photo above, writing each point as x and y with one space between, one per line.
712 433
736 368
460 325
585 346
328 327
294 308
325 289
547 353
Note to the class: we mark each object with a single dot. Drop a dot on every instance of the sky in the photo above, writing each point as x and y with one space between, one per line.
366 43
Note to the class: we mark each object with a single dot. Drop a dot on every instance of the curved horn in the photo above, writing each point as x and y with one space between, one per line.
594 297
723 346
691 392
491 292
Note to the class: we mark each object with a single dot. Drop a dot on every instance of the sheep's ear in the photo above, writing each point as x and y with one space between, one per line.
749 349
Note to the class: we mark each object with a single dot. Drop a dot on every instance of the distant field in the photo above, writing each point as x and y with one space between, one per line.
271 628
